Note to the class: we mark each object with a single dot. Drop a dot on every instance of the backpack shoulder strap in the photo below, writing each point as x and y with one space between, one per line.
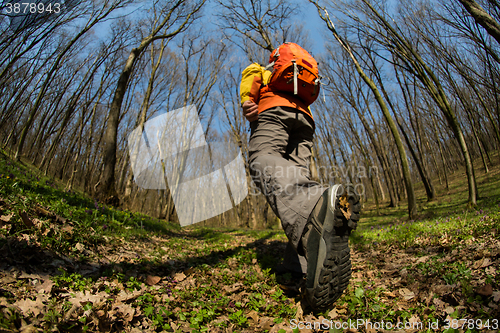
252 75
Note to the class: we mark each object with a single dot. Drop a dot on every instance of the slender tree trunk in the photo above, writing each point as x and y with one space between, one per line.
404 51
110 136
368 163
48 79
108 190
478 142
419 163
482 18
382 159
142 116
429 189
443 160
380 186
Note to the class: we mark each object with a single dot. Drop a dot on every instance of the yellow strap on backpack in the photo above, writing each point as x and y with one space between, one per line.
252 79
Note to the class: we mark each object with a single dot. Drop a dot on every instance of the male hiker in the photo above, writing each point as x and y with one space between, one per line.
317 220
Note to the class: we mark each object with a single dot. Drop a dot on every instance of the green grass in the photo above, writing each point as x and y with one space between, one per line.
24 189
448 214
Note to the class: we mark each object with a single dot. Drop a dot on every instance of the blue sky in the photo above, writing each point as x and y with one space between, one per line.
316 27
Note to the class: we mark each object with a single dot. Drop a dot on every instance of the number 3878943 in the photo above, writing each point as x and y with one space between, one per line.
32 8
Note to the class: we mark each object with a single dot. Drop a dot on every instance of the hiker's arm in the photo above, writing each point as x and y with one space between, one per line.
250 110
251 81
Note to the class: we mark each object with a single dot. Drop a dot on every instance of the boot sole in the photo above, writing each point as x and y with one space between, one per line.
329 267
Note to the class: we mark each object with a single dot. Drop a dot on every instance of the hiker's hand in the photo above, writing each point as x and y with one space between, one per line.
250 110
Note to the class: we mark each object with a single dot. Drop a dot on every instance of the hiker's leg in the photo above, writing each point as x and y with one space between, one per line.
299 151
292 261
281 175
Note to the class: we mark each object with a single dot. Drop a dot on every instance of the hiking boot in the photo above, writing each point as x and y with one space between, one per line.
326 245
289 281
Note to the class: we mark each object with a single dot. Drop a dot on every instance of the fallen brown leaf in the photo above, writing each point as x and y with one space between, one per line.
449 310
67 228
440 305
442 290
281 327
30 307
45 287
333 314
266 323
125 311
485 290
254 316
179 277
407 294
26 220
423 259
6 218
491 270
299 314
415 321
28 329
152 280
486 262
79 247
83 297
7 279
496 296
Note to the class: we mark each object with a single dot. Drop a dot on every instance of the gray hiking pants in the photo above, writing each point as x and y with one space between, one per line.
279 154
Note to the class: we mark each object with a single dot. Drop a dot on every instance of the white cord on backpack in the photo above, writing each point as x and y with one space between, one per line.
295 74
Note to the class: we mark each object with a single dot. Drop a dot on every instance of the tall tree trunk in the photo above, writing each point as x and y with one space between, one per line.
142 116
50 73
478 142
108 191
368 163
429 189
482 17
382 157
419 163
402 49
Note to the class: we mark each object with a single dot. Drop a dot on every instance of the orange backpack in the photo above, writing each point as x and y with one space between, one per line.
295 72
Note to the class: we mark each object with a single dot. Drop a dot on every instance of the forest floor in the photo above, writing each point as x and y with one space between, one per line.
69 264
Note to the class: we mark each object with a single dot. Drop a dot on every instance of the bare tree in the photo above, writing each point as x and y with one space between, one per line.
412 204
168 22
229 101
263 23
99 13
403 47
482 17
